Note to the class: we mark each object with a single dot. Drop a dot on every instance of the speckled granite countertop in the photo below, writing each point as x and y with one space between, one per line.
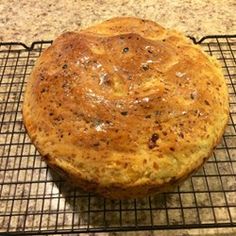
27 21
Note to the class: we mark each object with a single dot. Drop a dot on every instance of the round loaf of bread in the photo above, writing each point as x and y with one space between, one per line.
125 108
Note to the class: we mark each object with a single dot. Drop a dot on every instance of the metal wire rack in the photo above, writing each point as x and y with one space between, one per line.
34 200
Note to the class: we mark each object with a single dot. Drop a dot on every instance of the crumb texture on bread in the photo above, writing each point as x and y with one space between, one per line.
125 108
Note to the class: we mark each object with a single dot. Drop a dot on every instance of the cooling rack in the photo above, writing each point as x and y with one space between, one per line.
34 200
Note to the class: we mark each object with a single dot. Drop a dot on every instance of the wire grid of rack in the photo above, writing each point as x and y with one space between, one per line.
34 200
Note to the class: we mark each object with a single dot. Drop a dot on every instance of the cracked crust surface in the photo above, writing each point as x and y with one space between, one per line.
125 108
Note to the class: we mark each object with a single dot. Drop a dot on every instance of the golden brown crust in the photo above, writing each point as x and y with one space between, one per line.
125 108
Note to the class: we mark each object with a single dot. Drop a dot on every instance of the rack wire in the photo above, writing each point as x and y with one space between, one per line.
34 200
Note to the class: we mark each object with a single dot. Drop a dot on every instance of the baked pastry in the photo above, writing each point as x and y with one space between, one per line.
125 108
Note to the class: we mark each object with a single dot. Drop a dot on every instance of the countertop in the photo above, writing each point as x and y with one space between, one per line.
27 21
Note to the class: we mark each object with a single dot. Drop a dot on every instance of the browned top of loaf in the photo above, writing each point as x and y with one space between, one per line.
126 102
